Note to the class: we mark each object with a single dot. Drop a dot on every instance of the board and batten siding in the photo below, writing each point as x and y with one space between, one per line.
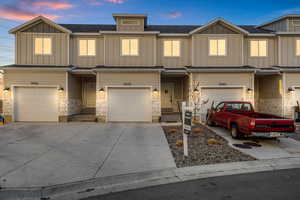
27 77
25 49
185 53
113 57
272 53
288 55
86 61
233 56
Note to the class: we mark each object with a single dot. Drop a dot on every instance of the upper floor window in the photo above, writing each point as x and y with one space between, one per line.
130 47
87 47
172 48
217 47
258 48
298 47
43 46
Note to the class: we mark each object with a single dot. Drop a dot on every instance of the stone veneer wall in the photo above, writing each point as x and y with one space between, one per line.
74 106
102 106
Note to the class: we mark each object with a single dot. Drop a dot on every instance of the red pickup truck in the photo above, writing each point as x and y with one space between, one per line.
241 119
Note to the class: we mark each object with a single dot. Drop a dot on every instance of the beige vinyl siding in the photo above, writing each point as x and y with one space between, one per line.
233 50
41 27
131 78
279 26
25 49
130 28
288 55
27 77
113 55
272 53
86 61
182 60
229 79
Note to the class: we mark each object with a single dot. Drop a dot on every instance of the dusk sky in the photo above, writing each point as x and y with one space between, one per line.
177 12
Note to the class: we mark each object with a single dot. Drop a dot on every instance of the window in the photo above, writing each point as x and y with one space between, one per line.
258 48
42 46
217 47
298 47
219 107
87 47
130 47
172 48
239 106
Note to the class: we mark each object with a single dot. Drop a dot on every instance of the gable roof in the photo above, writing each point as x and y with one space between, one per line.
44 19
278 19
216 21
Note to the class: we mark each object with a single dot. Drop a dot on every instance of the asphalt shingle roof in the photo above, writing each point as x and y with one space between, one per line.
95 28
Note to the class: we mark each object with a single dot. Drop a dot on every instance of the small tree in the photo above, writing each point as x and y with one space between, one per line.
197 101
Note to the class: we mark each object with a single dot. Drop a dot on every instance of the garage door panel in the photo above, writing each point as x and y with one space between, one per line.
36 104
218 95
129 105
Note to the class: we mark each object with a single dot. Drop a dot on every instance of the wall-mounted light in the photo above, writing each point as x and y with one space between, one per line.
249 90
101 90
155 90
196 91
6 89
60 89
291 90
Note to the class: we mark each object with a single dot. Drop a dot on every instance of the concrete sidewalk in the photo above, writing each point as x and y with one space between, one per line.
104 185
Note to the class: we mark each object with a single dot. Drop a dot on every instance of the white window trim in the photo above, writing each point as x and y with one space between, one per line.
298 55
136 20
42 54
124 38
267 48
87 49
217 38
179 48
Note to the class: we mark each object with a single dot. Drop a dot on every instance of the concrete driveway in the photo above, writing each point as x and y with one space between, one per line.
270 149
47 154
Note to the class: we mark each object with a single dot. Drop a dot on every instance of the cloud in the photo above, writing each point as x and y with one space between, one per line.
116 1
52 5
174 15
15 13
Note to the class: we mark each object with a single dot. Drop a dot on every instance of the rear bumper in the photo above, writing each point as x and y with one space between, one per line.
272 134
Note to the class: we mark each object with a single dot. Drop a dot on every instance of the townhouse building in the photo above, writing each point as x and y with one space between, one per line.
133 71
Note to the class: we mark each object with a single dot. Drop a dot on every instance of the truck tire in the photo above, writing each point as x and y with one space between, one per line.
209 122
234 132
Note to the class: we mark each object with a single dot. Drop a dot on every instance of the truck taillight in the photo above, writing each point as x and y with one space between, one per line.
252 123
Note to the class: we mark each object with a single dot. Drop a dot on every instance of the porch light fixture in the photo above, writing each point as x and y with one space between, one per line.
155 90
60 89
249 90
291 90
101 90
196 91
6 89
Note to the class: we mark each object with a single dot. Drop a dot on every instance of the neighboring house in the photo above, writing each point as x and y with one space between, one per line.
132 71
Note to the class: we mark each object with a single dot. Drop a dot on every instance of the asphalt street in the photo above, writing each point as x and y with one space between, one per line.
272 185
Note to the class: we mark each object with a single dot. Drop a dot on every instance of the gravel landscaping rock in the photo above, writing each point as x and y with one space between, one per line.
201 151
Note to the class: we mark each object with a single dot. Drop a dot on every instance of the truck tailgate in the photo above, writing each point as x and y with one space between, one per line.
274 125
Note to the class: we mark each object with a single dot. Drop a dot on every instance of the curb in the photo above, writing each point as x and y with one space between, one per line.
105 185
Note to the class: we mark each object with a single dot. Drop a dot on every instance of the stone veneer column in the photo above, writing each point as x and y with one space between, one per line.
7 106
101 106
62 106
156 110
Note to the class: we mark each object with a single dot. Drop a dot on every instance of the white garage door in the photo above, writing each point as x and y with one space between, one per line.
129 105
219 94
36 104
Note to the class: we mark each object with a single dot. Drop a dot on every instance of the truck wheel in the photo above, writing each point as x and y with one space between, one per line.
209 122
235 132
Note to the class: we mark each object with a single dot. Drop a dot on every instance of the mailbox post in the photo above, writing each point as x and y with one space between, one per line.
186 126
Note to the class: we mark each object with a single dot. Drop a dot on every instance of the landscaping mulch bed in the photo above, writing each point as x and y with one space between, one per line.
205 147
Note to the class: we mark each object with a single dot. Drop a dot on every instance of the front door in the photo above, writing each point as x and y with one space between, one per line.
90 94
167 94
